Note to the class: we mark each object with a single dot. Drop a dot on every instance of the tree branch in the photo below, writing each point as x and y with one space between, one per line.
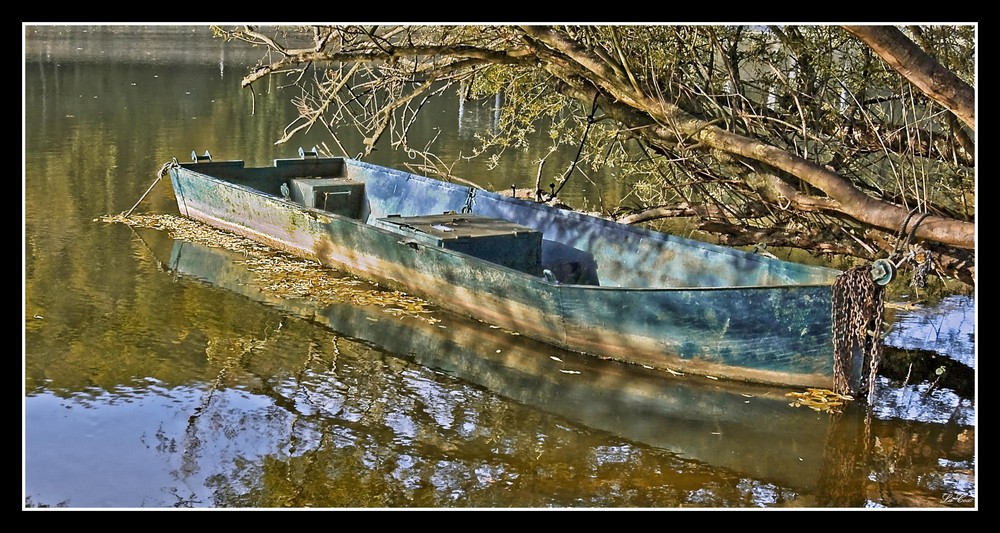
642 110
921 69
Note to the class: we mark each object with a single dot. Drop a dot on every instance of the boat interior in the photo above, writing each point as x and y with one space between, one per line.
560 245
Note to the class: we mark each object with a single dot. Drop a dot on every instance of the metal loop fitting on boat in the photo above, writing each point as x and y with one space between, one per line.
309 154
883 271
200 158
549 276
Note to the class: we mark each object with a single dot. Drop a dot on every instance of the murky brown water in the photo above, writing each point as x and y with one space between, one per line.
161 373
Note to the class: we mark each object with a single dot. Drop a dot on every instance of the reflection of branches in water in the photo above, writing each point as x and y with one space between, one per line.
842 482
924 465
301 389
231 353
322 435
868 460
182 501
166 444
295 441
314 412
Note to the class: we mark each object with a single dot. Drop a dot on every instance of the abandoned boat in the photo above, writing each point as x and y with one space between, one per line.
579 282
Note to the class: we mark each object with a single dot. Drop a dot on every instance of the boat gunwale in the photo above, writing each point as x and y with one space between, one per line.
592 220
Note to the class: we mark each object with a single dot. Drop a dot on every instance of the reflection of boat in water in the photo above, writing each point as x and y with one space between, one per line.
745 428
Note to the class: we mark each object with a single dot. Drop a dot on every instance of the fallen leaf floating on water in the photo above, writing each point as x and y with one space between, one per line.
819 400
570 371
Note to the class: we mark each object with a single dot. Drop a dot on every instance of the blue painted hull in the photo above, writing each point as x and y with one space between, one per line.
601 288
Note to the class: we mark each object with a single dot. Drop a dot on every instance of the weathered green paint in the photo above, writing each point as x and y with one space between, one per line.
605 288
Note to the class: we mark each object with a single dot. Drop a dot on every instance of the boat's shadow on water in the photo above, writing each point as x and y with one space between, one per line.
751 430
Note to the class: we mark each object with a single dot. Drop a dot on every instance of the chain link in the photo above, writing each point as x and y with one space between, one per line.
858 309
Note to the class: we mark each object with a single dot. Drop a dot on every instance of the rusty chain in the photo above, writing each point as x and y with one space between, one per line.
858 310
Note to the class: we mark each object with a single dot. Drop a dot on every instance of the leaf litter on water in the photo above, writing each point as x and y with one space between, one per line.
282 274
